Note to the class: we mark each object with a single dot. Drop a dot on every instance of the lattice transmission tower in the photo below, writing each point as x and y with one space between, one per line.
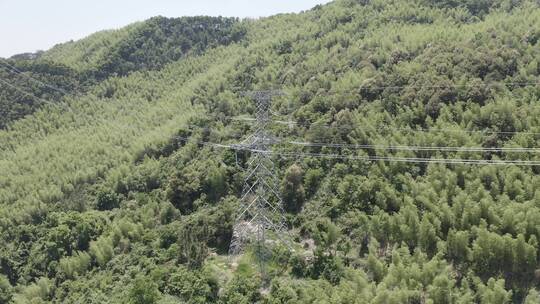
261 205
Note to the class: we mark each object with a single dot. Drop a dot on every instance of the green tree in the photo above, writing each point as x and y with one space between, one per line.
5 289
107 200
191 286
458 246
494 292
143 291
102 250
281 292
242 290
533 297
215 184
292 189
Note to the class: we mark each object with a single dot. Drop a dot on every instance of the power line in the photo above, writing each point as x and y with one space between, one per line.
372 158
453 85
419 148
253 119
414 159
15 70
23 91
33 96
403 147
423 130
419 130
421 86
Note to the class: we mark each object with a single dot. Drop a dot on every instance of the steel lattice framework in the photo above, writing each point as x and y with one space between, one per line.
261 205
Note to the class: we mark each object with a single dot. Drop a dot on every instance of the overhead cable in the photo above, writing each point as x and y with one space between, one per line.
372 158
32 95
419 148
19 72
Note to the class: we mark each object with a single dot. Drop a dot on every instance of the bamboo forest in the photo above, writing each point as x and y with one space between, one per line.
404 140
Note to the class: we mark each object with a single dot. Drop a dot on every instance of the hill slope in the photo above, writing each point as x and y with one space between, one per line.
100 202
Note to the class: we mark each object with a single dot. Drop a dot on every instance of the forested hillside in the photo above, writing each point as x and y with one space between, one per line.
76 67
102 200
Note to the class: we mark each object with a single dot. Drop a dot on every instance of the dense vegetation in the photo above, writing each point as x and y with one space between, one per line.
147 45
100 202
76 67
44 80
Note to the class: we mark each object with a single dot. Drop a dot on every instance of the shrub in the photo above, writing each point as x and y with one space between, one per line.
107 200
5 289
143 291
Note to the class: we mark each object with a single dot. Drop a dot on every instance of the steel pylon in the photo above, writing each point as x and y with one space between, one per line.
261 205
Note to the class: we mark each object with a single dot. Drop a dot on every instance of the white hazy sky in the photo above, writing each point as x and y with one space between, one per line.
30 25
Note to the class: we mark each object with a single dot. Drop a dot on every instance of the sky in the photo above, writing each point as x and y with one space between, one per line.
31 25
